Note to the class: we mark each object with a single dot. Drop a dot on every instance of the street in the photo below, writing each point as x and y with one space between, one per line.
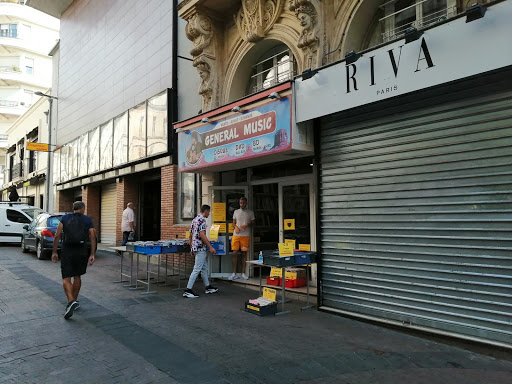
121 336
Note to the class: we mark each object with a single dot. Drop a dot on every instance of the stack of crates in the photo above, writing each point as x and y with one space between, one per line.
295 277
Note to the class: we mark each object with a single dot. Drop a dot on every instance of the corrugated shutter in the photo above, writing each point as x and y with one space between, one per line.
108 214
416 217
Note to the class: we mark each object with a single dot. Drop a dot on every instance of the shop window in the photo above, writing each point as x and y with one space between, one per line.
83 155
106 146
188 196
402 14
274 67
94 151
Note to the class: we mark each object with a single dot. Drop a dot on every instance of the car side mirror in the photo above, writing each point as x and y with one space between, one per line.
25 227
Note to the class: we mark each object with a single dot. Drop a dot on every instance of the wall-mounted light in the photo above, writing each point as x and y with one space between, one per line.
45 95
476 11
351 57
236 108
412 34
308 73
274 95
205 120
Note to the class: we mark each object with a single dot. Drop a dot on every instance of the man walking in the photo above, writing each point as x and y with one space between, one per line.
128 222
243 218
198 245
76 228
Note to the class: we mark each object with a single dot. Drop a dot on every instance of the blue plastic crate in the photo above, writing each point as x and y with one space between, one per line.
170 249
148 249
304 257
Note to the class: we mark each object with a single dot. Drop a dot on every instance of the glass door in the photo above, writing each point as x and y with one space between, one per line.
297 220
225 201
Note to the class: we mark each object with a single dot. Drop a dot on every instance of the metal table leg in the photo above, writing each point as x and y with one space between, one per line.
307 289
283 293
148 277
136 286
121 274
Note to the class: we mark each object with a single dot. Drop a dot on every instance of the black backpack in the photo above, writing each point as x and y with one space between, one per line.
74 230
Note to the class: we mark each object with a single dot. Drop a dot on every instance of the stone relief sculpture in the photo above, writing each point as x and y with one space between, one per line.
199 30
256 17
308 40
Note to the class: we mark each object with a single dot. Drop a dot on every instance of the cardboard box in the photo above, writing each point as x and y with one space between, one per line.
295 273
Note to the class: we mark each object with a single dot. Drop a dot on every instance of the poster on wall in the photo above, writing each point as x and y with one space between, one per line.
258 132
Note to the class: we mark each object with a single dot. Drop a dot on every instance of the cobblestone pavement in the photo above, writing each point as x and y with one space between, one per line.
121 336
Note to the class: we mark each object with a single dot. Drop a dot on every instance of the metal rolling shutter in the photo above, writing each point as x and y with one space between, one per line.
108 214
416 217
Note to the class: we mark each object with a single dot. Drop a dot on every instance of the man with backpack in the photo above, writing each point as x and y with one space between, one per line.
74 228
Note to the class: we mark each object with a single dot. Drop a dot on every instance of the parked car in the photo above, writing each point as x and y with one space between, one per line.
13 216
38 236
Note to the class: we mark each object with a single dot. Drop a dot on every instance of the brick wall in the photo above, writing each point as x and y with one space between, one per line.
64 201
91 197
127 191
169 204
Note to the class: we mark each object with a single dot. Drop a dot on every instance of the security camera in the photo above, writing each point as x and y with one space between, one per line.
205 120
274 95
236 108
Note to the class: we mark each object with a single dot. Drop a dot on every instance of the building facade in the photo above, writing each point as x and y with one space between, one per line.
407 182
26 38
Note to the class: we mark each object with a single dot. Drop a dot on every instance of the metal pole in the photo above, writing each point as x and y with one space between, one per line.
48 172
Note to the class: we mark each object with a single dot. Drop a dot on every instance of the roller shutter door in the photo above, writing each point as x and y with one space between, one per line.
416 217
108 214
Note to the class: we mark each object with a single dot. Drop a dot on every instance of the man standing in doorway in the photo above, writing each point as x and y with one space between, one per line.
77 228
128 222
243 219
198 245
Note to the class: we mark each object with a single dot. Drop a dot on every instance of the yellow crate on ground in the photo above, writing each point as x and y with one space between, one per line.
276 272
295 273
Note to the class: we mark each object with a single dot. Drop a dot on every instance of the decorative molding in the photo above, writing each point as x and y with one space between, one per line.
256 17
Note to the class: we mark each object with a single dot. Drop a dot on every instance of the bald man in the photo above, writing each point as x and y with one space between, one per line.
128 222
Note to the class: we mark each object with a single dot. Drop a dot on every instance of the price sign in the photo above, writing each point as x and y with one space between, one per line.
214 232
231 228
285 249
219 211
187 235
304 247
222 227
290 241
289 224
269 294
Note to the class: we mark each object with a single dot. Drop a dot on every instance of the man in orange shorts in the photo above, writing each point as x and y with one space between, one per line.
243 219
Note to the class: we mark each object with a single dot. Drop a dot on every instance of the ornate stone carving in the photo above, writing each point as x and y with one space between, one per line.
200 30
308 40
256 17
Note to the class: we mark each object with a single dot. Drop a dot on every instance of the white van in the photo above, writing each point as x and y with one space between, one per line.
13 216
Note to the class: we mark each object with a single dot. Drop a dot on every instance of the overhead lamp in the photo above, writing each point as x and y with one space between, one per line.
351 57
236 108
274 95
412 34
308 73
205 120
476 11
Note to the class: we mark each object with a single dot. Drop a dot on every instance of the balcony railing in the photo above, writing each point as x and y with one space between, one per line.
429 19
279 68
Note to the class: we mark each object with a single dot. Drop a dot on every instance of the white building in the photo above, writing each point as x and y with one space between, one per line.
26 38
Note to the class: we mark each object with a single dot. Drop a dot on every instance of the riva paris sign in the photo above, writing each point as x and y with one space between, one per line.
449 52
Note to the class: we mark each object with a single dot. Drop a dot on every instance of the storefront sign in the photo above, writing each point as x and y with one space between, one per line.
304 247
449 52
261 131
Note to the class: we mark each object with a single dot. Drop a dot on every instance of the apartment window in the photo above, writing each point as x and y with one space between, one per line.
274 67
29 66
403 14
8 30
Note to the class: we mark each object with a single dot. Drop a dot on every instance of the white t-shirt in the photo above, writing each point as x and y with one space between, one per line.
243 217
128 216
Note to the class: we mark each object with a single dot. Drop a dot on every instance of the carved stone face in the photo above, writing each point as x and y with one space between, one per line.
305 20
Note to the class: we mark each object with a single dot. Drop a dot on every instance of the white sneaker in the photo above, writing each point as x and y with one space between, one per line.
244 276
233 277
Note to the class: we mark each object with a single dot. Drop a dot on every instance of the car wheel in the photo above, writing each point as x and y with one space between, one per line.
39 250
23 248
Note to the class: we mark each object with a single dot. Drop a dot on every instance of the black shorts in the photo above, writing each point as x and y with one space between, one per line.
73 260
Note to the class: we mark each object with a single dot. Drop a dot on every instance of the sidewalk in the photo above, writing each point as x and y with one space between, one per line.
121 336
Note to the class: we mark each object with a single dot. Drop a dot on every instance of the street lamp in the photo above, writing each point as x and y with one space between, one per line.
50 100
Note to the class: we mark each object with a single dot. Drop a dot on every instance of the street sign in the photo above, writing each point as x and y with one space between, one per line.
37 147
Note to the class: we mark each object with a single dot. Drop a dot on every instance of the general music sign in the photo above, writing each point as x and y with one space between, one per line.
258 132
